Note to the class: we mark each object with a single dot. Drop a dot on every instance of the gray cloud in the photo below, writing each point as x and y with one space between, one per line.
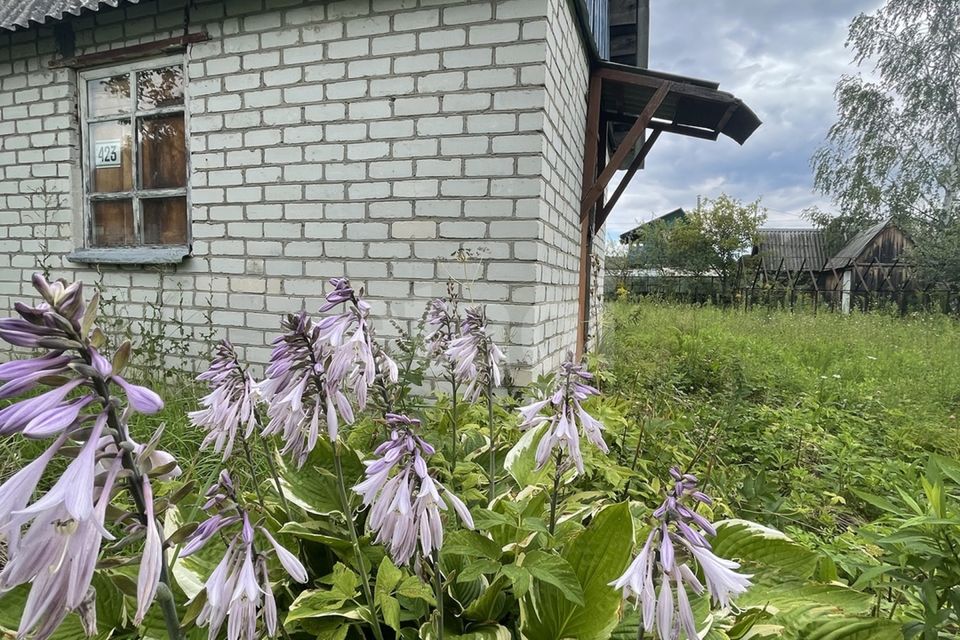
783 58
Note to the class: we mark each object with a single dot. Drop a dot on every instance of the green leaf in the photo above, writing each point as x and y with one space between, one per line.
314 603
520 577
313 487
768 548
556 571
473 544
878 501
412 587
521 460
390 609
485 632
477 568
388 577
597 556
489 606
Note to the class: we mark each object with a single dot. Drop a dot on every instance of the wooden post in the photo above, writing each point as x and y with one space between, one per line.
591 146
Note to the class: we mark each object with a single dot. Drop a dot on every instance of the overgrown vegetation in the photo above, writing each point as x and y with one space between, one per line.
842 431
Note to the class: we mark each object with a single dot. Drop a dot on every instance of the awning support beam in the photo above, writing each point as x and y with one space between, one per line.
634 167
593 190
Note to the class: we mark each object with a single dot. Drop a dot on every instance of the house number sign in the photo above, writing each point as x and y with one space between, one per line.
107 153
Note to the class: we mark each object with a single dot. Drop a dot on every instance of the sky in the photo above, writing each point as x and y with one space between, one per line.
783 58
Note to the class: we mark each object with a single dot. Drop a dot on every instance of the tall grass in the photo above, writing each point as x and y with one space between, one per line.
788 413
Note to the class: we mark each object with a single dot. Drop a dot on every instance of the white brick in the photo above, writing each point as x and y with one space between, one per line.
461 58
414 229
367 231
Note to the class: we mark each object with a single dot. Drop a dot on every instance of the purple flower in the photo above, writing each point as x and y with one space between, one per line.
230 404
314 367
404 500
57 556
17 491
673 544
568 420
475 357
442 321
140 398
356 359
152 559
295 389
238 591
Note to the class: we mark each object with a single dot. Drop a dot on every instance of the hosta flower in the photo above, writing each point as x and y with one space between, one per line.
441 321
57 556
295 388
53 542
230 405
675 544
568 419
356 359
405 501
475 357
315 366
238 591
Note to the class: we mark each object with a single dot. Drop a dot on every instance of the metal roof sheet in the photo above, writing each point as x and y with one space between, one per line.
857 245
693 103
19 14
797 248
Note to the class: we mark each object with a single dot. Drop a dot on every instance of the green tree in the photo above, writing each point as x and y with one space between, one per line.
716 235
895 148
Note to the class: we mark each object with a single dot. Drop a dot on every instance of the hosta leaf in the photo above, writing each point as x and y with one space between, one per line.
313 487
598 556
520 577
489 605
769 549
390 609
521 460
11 606
556 571
484 632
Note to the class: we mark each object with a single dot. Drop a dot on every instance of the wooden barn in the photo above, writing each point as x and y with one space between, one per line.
871 265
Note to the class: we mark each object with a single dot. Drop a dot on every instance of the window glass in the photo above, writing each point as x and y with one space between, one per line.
113 223
109 96
111 147
135 156
163 161
164 220
159 88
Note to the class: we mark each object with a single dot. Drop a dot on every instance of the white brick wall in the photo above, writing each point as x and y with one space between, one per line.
372 138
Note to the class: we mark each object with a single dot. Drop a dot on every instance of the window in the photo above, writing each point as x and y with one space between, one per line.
135 156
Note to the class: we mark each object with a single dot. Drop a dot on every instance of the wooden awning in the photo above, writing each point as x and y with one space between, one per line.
628 109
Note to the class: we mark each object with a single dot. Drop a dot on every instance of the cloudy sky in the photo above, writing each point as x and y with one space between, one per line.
781 57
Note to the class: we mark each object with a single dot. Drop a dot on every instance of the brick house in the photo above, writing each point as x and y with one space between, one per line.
218 159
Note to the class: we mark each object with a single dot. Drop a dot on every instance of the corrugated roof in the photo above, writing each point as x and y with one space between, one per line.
797 248
856 246
20 14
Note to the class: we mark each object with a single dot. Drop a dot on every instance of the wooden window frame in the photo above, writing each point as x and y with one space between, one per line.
138 252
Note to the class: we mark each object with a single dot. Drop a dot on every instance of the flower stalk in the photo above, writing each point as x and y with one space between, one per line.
355 540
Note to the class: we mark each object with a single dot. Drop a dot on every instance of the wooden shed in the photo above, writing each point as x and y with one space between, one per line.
871 264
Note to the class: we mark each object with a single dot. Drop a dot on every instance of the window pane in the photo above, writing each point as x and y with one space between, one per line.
158 88
112 223
164 220
163 152
108 96
110 156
